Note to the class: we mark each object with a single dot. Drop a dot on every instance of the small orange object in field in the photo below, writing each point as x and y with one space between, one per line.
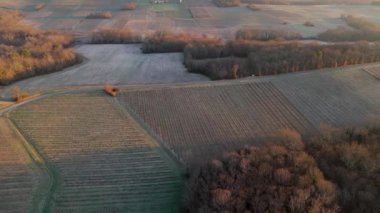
111 90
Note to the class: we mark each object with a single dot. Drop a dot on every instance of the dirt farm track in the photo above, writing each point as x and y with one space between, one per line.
136 146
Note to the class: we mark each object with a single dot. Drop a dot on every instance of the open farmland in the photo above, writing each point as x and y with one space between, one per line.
205 121
20 177
199 120
115 64
101 160
195 16
341 97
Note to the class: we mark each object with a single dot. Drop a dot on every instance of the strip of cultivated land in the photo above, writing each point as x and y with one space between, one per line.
101 160
199 121
20 177
341 97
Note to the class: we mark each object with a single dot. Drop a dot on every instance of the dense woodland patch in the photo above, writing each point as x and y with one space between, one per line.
26 52
280 177
335 172
242 58
350 158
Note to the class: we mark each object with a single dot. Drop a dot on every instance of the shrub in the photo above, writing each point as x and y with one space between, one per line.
100 15
309 24
18 95
111 90
129 6
269 178
163 42
266 35
115 36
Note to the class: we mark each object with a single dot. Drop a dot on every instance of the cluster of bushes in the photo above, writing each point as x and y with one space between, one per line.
26 52
280 177
115 36
351 159
227 3
337 171
129 6
266 35
100 15
18 95
273 57
164 42
359 29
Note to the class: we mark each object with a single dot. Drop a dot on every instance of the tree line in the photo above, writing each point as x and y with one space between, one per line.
242 58
337 171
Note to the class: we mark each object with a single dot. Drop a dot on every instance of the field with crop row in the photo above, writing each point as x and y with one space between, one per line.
345 96
19 177
102 161
201 122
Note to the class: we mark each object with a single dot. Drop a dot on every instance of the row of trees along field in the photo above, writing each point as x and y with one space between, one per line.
26 52
260 52
335 172
241 58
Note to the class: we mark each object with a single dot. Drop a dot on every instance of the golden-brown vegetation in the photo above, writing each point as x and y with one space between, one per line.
100 15
115 36
280 177
18 95
266 35
26 52
161 42
129 6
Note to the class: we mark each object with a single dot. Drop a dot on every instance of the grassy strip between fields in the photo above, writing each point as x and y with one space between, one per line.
43 195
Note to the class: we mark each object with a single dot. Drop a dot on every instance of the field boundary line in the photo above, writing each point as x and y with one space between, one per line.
307 120
365 69
40 162
168 152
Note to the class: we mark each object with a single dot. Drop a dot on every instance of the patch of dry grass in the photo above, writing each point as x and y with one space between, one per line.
100 15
